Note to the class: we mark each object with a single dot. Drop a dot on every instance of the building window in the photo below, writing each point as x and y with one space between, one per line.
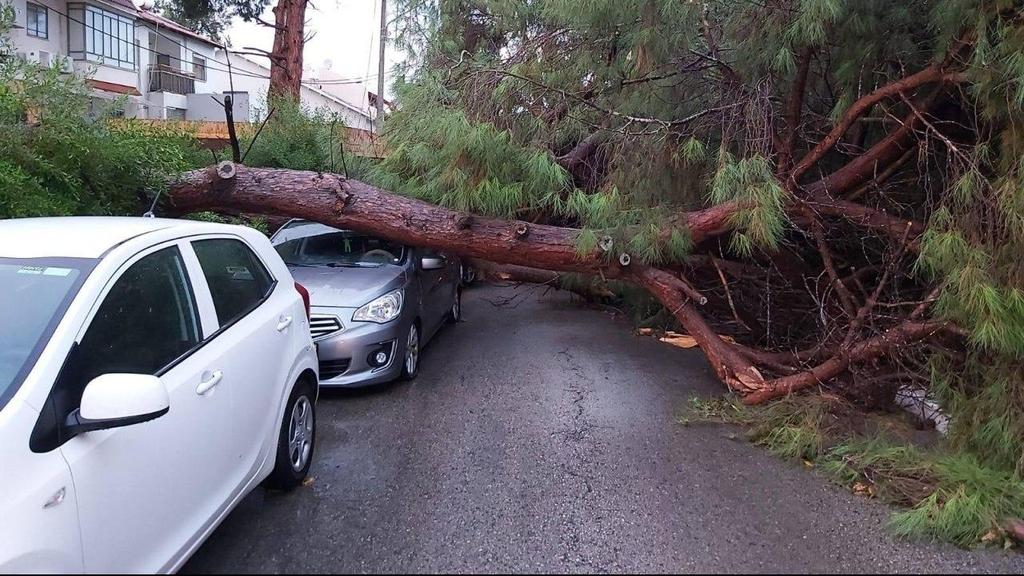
109 37
36 22
199 68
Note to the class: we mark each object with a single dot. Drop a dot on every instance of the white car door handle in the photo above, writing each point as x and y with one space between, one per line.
210 380
285 321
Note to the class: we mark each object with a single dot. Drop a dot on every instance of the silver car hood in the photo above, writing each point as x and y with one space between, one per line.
347 287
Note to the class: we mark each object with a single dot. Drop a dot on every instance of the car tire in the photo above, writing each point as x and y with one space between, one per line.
296 442
455 314
467 274
411 368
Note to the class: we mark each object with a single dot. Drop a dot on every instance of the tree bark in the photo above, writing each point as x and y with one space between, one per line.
286 56
862 106
871 348
347 203
344 203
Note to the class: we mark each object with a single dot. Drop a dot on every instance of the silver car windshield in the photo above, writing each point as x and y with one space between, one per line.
340 248
35 292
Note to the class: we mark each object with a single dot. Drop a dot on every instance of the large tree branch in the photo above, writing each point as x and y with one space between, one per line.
793 110
581 152
587 286
862 106
350 203
730 365
885 343
892 226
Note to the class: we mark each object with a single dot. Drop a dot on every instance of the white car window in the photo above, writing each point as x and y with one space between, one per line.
35 292
147 320
238 281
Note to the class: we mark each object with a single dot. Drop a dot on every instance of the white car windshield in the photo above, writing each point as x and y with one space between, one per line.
339 248
35 293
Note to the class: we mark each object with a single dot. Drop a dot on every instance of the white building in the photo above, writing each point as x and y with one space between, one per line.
253 78
355 92
163 70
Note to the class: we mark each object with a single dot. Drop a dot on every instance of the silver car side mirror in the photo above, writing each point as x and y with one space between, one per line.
432 263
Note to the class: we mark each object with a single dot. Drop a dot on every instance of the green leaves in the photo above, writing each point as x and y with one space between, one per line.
762 219
59 158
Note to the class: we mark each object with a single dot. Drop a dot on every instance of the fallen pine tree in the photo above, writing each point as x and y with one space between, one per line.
836 188
345 203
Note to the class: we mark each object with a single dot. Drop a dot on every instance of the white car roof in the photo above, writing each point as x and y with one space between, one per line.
85 236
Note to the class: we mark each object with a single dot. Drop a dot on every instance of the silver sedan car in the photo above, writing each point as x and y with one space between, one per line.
375 303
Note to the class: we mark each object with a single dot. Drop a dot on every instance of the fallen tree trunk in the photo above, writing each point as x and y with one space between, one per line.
531 249
345 203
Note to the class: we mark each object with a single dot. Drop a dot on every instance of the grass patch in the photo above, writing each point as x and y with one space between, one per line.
943 492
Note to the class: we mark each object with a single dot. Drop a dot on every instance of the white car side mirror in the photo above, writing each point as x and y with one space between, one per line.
116 400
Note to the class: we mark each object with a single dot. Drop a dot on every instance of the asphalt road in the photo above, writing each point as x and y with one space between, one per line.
542 437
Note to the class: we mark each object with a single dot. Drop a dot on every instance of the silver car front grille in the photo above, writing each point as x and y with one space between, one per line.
321 325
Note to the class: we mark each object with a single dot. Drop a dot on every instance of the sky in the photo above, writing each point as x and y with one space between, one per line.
346 34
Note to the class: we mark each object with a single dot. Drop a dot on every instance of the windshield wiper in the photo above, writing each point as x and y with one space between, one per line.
335 264
353 265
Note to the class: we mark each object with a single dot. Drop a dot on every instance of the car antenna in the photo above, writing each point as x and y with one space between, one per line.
150 213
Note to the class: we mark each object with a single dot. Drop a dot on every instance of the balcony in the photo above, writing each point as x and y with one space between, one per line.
163 78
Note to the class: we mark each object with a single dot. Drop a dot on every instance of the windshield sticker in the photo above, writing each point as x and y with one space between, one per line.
45 271
56 271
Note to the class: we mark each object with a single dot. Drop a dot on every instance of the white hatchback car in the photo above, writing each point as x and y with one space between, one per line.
152 373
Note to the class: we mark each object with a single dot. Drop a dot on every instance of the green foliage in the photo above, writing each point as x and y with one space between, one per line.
751 182
969 501
60 155
895 472
948 496
210 17
586 242
257 222
971 250
790 428
943 493
985 396
300 138
439 154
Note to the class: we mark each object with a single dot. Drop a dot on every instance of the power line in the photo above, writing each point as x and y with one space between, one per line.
401 66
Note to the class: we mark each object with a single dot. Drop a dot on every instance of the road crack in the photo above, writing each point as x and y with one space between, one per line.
581 444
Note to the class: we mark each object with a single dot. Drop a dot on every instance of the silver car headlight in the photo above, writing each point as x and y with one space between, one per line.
381 309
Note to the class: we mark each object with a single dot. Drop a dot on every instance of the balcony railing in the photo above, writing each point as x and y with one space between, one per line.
166 79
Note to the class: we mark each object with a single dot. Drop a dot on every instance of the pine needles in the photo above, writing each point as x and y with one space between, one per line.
944 493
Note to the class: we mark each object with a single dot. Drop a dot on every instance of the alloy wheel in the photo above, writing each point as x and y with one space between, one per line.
300 433
412 350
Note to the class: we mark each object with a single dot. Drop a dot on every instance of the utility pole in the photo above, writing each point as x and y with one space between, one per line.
380 64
